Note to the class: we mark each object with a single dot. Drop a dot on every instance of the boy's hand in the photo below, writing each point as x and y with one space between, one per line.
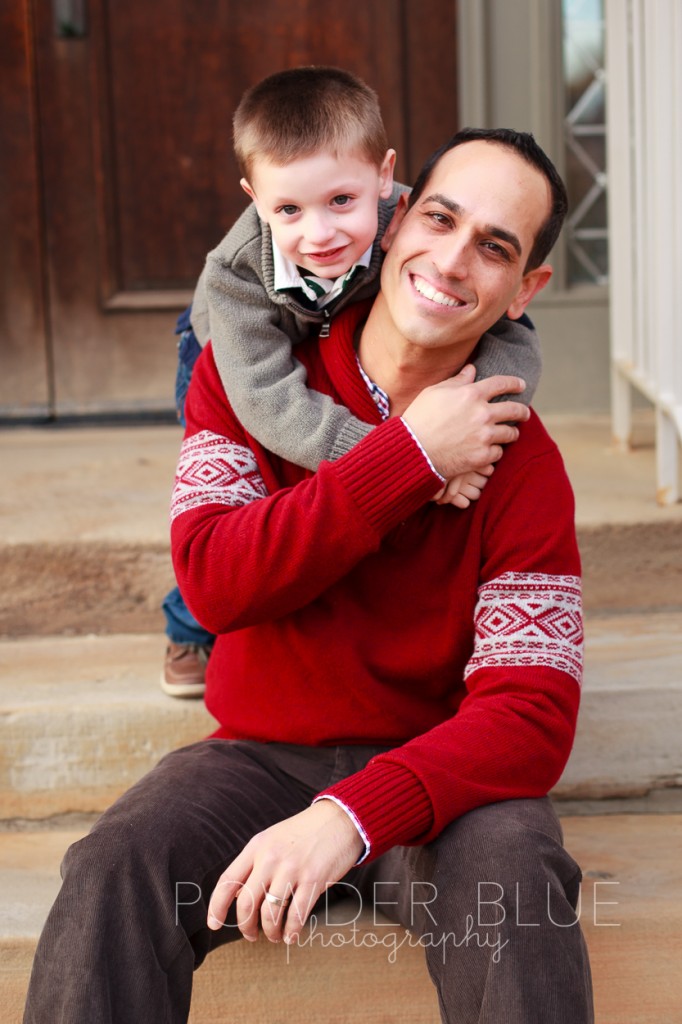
458 425
462 490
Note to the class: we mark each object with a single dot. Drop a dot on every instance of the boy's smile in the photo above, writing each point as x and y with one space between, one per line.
321 209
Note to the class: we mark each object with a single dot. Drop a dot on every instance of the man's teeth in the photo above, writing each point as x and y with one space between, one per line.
429 292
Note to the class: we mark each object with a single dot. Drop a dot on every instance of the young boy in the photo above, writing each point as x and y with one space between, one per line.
314 158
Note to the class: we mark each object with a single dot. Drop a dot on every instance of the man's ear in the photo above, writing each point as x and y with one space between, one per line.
532 283
396 219
250 193
386 174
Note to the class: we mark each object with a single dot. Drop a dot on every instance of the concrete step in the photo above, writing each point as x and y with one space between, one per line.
631 547
84 525
81 718
628 739
84 516
631 913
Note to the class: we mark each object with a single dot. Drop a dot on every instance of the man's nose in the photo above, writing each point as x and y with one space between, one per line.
452 257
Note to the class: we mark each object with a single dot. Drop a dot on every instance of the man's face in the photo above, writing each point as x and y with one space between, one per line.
455 261
322 209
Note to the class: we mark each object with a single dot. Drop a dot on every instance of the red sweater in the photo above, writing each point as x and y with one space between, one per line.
352 609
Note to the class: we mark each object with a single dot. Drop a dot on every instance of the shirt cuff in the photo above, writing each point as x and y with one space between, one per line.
363 834
421 449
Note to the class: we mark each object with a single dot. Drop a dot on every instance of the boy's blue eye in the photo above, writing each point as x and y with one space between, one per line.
289 209
340 200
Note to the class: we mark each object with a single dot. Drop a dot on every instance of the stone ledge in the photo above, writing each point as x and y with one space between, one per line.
627 742
84 513
343 975
104 586
56 693
82 718
80 587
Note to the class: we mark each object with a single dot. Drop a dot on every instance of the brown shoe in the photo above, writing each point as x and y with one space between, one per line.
184 669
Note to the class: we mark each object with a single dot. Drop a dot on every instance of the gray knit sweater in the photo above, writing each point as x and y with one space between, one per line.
253 327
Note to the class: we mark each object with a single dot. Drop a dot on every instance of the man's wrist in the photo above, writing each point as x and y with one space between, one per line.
423 451
361 832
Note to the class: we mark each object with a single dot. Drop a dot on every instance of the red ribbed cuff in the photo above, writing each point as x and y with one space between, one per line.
389 802
388 475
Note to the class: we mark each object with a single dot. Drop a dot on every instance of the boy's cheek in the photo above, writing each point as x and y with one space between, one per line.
284 241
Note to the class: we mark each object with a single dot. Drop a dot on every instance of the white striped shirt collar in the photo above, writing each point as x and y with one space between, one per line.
287 275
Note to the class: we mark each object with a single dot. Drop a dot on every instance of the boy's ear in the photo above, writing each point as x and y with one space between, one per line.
386 174
395 222
249 191
532 283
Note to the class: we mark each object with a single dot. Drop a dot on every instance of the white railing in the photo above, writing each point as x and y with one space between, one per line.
644 116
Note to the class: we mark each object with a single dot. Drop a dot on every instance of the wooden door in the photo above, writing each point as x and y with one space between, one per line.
25 378
130 141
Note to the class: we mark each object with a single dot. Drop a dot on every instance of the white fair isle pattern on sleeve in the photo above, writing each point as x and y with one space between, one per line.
529 619
214 470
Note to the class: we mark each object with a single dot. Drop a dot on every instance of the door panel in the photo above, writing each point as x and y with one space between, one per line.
139 177
24 380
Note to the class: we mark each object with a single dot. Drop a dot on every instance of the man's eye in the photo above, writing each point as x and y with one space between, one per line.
289 210
496 250
341 200
440 220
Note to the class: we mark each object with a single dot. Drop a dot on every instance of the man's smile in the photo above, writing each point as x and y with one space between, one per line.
430 292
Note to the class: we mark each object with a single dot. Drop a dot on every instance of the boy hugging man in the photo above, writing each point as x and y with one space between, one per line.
313 152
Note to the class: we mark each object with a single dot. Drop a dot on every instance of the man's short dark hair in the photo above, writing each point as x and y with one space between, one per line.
525 145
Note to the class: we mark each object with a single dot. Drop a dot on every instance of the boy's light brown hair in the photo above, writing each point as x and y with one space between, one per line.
307 110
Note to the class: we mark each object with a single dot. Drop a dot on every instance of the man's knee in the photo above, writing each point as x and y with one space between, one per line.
105 858
503 859
513 832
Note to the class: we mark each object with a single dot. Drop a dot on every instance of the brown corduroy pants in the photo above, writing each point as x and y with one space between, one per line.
492 899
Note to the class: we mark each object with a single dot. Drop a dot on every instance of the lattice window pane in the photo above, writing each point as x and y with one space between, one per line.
585 141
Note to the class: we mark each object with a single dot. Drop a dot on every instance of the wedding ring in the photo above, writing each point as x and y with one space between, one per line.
279 901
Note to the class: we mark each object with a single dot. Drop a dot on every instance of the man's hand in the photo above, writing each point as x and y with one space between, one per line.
459 427
295 860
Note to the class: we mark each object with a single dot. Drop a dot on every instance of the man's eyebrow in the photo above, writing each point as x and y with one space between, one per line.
491 229
442 200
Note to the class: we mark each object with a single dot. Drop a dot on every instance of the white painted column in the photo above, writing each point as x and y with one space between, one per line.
644 116
621 207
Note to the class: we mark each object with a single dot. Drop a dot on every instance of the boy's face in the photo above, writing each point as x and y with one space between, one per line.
321 209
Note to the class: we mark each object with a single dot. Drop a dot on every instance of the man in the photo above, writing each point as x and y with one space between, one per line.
396 682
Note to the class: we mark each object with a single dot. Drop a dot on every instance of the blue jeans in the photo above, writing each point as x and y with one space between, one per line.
181 626
189 351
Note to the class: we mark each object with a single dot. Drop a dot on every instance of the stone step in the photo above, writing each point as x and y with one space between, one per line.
631 913
54 588
81 718
105 586
84 517
628 739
